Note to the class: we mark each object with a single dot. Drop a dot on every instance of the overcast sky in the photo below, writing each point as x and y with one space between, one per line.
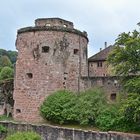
102 19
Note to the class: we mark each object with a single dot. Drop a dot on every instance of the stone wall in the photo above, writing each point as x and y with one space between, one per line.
98 68
50 58
49 132
110 84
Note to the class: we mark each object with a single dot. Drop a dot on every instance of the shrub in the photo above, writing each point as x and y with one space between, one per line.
66 107
130 113
88 106
107 119
3 129
24 136
55 105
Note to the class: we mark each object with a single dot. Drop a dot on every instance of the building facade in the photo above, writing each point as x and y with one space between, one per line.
100 74
97 63
51 56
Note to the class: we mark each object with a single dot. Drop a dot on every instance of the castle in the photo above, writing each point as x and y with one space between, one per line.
52 56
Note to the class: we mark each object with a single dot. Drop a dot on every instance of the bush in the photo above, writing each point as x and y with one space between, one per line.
91 108
24 136
130 113
88 106
65 107
3 129
107 119
55 105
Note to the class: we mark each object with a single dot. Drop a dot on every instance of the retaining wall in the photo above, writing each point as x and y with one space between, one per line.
49 132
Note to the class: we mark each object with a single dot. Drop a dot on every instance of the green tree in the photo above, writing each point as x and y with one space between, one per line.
5 61
6 84
3 52
130 113
125 58
6 73
12 56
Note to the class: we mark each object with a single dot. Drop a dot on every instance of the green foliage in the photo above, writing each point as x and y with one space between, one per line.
24 136
54 105
12 55
88 106
5 118
5 61
65 107
107 119
3 52
6 73
3 129
130 113
125 58
132 85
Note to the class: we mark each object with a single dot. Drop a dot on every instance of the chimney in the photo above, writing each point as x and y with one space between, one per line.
105 44
100 49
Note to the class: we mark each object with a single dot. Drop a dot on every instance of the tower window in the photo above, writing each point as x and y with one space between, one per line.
18 111
48 24
99 64
113 96
75 51
65 25
30 75
45 49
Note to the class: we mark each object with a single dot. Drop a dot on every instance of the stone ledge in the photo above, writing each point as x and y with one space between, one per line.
53 28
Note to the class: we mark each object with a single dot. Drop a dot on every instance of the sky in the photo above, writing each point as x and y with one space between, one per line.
103 20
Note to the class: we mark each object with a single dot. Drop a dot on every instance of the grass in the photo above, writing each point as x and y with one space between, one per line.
75 126
5 118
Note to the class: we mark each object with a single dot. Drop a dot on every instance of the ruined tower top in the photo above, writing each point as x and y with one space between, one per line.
53 22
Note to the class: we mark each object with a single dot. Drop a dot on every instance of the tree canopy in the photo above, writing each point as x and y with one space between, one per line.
125 59
12 55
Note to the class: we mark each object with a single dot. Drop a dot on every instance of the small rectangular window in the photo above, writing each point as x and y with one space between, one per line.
113 96
99 64
65 73
18 111
65 25
47 24
30 75
75 51
45 49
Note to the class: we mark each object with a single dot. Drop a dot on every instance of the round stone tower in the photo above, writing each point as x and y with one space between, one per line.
51 56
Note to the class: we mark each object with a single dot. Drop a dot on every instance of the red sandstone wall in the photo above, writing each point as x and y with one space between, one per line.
94 70
57 69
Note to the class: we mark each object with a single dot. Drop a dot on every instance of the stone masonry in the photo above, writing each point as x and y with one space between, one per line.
51 56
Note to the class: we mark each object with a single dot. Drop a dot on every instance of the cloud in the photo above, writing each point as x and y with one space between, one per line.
102 19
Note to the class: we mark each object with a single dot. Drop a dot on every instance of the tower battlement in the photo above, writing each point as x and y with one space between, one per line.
53 22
